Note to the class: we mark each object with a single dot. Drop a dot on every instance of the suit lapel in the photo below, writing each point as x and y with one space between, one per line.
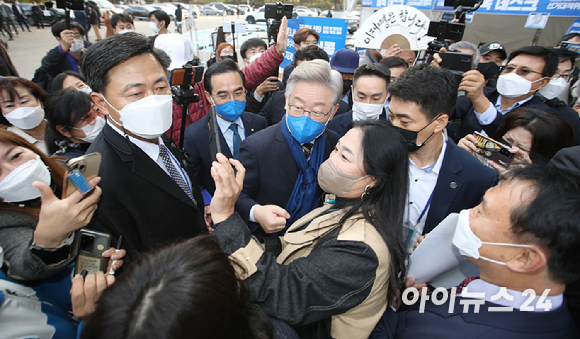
447 187
144 166
249 126
347 120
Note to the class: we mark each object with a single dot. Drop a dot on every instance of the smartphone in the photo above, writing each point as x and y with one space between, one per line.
178 76
215 146
84 167
91 247
456 61
493 150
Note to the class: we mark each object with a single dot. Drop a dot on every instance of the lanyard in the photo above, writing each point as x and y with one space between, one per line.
412 230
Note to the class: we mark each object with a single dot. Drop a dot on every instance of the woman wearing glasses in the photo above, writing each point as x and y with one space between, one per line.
335 270
532 135
74 122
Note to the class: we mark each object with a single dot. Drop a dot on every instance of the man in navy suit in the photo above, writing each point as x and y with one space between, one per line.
369 93
224 84
282 161
523 238
20 16
528 70
444 177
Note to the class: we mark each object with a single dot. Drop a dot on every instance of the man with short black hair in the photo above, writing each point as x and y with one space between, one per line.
528 70
224 87
444 177
150 197
369 94
158 22
302 38
523 238
122 23
67 55
252 48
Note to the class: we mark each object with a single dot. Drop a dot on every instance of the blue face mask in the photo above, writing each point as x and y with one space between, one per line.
231 110
303 128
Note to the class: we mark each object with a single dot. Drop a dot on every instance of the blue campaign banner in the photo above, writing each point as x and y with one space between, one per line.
575 27
508 7
332 33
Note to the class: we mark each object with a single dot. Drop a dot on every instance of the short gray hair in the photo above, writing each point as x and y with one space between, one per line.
471 46
316 71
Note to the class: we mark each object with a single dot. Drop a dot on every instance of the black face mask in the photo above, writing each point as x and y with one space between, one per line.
488 69
346 86
411 136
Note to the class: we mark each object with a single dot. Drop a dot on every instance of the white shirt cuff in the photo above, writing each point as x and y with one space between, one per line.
257 97
252 219
68 242
488 116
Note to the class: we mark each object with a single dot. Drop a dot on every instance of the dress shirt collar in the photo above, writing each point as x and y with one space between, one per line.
516 105
152 150
435 168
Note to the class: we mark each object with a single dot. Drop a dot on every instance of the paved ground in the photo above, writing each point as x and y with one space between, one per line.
28 48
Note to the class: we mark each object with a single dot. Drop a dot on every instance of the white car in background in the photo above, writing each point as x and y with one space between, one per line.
256 16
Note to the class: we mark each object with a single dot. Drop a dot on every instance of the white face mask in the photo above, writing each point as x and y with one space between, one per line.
87 90
362 111
512 85
17 186
553 88
26 117
92 130
154 27
468 243
127 31
254 57
149 117
77 46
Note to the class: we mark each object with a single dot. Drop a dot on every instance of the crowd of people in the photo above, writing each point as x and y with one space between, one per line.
303 225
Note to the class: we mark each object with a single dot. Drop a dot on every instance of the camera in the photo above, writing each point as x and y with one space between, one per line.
277 11
274 14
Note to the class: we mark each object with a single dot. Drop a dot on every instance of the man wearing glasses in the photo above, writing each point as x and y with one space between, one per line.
224 87
528 70
282 161
556 93
67 55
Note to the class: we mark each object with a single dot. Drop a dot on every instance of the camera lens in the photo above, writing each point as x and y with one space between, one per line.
82 167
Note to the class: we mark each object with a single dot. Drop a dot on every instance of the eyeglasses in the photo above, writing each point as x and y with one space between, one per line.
299 111
567 76
521 71
238 95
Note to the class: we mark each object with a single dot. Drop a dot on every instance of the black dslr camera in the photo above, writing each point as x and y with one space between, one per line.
457 62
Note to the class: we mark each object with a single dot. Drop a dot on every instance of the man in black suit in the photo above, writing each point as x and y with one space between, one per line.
282 161
224 84
149 195
528 70
534 216
369 93
444 177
